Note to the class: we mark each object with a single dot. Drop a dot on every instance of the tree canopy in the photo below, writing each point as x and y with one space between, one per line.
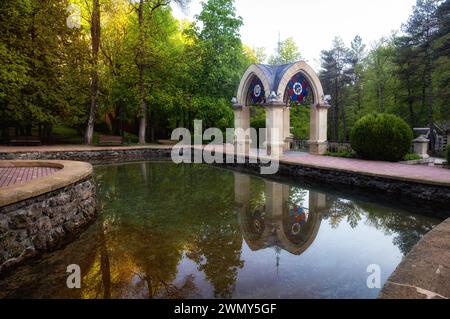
131 68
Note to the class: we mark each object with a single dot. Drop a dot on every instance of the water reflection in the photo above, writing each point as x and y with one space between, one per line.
195 231
280 218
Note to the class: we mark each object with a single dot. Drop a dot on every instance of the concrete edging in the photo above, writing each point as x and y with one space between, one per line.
425 271
43 214
70 173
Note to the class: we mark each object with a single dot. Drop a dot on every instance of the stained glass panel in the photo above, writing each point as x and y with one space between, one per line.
298 89
256 93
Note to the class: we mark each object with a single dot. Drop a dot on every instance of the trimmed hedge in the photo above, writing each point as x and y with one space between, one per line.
383 137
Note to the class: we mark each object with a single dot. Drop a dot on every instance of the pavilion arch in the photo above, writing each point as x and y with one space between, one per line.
274 218
275 81
254 70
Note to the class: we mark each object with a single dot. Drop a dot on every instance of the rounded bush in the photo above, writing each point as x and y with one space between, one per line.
383 137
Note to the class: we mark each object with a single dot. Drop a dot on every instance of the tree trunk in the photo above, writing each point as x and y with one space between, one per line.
430 101
95 39
412 117
344 124
143 111
336 112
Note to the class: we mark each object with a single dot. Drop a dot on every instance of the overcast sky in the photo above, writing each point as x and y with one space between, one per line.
314 23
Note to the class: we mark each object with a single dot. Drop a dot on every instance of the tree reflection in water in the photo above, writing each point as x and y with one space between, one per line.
168 231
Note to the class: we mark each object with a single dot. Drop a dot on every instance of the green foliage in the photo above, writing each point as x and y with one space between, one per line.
193 69
381 137
300 121
258 118
343 154
218 59
404 74
288 53
214 112
412 157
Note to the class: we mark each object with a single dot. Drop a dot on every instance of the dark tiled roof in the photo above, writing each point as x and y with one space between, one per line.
274 73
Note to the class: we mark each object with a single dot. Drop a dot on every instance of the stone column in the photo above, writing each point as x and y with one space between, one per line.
274 200
317 202
274 126
421 146
242 190
287 128
242 129
318 129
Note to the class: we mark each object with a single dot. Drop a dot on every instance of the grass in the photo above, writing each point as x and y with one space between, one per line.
412 157
347 154
343 154
68 135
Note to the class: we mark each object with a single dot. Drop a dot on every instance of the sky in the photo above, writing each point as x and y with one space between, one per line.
313 23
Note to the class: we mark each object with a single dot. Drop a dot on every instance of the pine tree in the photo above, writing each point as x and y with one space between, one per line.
421 29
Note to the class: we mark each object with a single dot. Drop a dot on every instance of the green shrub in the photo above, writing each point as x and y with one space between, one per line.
382 137
343 154
412 157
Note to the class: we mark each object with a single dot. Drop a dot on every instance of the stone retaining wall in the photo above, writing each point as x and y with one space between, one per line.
425 272
92 156
45 222
438 195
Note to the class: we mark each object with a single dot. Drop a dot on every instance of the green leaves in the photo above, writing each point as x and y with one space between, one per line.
381 137
288 53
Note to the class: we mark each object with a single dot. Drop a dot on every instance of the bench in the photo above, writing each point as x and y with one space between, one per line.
110 140
25 141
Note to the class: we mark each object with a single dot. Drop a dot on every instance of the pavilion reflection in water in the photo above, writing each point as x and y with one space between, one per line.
280 220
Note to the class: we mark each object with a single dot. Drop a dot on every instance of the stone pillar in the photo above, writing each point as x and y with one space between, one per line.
274 126
287 128
318 129
421 146
274 200
242 190
317 202
242 129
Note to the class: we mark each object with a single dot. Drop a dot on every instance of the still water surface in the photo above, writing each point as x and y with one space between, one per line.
196 231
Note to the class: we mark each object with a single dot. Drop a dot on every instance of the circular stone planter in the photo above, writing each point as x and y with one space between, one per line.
42 214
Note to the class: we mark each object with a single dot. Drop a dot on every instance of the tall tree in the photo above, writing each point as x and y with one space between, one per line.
380 75
145 9
95 46
356 57
287 52
334 76
407 68
441 47
219 49
421 29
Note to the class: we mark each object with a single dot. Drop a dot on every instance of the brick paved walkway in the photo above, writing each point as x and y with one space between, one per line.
17 175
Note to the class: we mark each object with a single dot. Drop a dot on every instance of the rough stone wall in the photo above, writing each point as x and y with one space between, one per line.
408 190
46 222
91 156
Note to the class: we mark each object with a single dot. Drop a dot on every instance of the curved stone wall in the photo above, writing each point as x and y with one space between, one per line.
45 213
425 272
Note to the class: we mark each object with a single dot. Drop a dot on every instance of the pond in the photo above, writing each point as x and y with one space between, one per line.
197 231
